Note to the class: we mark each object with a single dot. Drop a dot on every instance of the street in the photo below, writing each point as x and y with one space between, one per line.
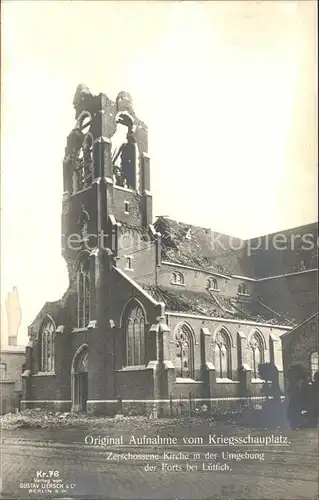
45 463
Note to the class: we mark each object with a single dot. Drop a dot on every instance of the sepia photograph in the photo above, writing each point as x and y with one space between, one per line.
159 250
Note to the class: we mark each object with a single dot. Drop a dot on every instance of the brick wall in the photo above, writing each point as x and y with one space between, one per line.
71 213
139 247
185 389
135 384
225 390
233 328
299 344
196 281
284 251
13 361
204 352
294 295
116 198
45 387
57 386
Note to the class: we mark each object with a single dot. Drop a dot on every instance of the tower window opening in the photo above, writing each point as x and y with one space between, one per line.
87 160
126 207
83 165
124 155
85 124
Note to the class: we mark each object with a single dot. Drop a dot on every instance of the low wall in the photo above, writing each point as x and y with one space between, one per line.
225 389
184 390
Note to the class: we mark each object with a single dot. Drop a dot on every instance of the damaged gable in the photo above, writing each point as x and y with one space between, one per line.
58 310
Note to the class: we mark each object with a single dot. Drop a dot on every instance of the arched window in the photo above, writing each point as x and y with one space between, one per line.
177 278
83 224
78 176
84 292
184 349
242 289
87 160
83 164
223 355
212 284
85 122
87 299
75 155
314 364
80 149
135 336
46 346
256 353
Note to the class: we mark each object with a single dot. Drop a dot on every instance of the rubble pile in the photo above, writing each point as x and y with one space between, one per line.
38 418
43 419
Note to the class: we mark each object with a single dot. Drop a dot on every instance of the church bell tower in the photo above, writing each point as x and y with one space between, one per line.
106 182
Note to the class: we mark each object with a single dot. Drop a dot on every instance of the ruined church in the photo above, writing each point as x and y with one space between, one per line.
154 311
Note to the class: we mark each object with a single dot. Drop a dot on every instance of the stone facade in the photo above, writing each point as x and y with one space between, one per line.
153 312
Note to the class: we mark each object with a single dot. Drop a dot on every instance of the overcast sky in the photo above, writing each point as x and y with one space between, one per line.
227 89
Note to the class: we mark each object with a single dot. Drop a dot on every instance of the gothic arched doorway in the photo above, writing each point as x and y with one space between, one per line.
79 374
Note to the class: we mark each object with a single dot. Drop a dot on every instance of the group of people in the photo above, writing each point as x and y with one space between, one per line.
303 399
